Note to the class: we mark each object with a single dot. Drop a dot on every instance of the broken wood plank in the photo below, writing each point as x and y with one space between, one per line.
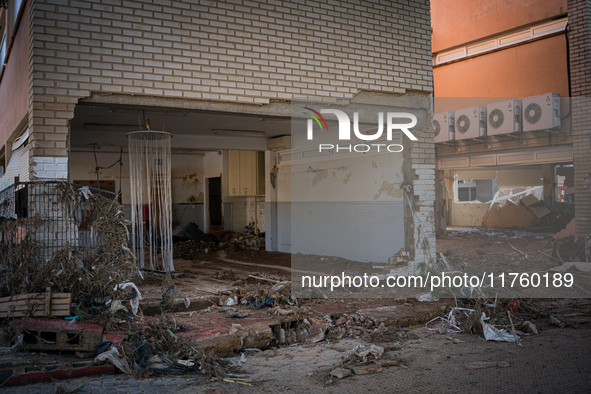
517 249
268 280
33 295
535 206
36 304
64 301
60 313
445 261
513 328
47 301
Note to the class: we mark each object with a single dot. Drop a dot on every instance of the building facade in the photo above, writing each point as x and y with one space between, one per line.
489 52
78 75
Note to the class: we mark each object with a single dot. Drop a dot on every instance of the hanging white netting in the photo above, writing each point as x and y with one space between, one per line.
151 202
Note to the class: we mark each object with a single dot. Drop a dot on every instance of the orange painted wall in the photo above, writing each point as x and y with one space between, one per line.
457 22
525 70
14 85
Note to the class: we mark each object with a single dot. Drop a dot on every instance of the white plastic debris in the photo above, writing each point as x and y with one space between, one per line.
115 358
228 300
85 191
186 363
135 301
492 333
452 321
427 297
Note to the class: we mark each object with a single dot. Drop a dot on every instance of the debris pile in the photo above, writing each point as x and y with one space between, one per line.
505 321
189 250
259 292
154 348
88 272
248 241
363 360
573 248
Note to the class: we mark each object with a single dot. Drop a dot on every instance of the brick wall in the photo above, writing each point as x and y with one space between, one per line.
232 51
579 20
422 177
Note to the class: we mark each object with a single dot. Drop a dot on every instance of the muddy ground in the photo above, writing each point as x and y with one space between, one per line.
420 357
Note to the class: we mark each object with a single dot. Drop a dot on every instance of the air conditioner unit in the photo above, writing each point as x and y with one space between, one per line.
279 143
444 126
541 112
504 117
470 123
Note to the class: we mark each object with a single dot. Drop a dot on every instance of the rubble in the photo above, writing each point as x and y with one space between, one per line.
366 369
190 250
487 364
85 272
341 373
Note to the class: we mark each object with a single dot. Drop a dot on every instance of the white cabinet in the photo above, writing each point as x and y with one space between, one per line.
246 173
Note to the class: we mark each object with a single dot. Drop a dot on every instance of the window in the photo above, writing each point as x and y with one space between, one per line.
466 191
477 190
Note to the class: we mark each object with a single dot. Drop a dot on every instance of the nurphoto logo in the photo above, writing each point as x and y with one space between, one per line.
344 125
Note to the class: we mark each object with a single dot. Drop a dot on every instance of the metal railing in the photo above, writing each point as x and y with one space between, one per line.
45 215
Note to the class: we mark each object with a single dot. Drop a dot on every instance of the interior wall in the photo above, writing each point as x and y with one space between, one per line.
350 201
187 181
277 204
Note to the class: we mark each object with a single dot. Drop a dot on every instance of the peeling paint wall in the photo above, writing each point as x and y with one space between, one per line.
277 204
187 181
352 205
468 214
351 208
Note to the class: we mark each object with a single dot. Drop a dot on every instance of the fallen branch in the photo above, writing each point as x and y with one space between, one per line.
445 261
545 253
517 249
513 328
268 280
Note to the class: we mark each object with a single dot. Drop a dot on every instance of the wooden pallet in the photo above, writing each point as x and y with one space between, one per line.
36 304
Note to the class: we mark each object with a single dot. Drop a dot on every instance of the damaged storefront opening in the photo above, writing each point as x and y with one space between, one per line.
506 197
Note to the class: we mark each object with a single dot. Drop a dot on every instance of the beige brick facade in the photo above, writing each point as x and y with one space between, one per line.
233 51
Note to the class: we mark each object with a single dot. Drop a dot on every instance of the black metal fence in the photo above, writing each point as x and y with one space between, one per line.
49 215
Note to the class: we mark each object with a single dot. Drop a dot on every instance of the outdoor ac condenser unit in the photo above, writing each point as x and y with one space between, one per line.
279 143
504 117
444 126
470 123
541 112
